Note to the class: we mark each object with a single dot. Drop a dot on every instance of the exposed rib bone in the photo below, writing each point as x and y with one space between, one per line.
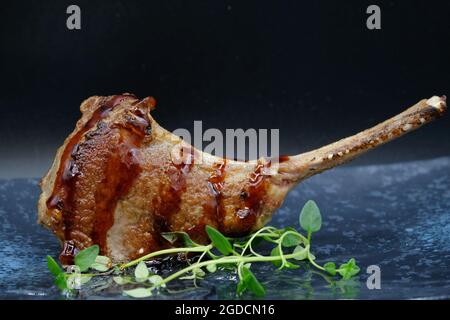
307 164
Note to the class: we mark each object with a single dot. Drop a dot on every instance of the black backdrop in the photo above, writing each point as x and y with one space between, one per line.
310 68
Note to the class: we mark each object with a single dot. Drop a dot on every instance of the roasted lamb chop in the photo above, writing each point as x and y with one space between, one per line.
120 179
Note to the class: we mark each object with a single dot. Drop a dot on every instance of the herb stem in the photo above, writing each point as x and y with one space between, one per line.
314 263
280 245
253 237
166 251
226 260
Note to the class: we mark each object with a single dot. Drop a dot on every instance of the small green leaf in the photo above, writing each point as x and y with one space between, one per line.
310 218
156 280
252 283
53 266
241 287
85 258
141 272
99 267
61 281
300 253
276 253
103 260
291 240
330 267
352 262
172 237
211 268
121 280
219 241
349 269
139 292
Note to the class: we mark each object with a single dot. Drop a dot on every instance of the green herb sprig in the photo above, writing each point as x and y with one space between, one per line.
84 260
236 255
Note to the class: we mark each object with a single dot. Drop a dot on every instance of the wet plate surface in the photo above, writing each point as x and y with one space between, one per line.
394 216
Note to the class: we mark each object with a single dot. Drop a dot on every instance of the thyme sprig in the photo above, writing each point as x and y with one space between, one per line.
236 255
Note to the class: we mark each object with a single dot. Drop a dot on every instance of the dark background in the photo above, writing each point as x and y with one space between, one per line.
310 68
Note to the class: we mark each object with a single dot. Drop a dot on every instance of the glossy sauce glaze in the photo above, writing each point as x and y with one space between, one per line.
214 209
68 170
253 196
119 169
170 197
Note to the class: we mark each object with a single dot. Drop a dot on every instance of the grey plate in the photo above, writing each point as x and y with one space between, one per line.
394 216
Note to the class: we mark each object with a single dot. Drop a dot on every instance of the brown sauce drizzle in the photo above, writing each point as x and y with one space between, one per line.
214 209
283 158
253 196
67 169
181 168
120 169
171 197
